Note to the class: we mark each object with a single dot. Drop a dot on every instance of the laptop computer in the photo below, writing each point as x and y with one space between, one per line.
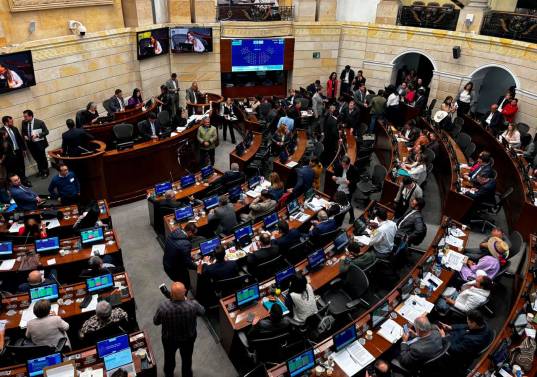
49 245
6 250
35 366
44 292
119 360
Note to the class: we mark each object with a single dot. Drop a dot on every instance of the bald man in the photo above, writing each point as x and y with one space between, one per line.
419 345
35 279
178 317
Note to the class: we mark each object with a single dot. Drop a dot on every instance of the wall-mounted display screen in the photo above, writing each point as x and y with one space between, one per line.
16 71
153 43
194 39
257 54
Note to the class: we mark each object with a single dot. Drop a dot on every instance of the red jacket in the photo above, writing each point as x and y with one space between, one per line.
329 89
509 112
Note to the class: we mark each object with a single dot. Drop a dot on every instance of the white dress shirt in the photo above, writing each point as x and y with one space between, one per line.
383 236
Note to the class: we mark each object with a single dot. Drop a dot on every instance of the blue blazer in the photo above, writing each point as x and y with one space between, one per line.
323 227
485 193
24 197
221 270
304 180
287 241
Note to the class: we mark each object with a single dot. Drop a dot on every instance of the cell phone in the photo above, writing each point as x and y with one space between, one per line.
405 328
164 290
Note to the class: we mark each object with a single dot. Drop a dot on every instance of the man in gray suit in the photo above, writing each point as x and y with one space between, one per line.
116 103
35 134
317 103
420 345
223 217
173 90
193 96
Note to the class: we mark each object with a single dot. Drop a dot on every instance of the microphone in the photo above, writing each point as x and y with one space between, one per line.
56 280
171 177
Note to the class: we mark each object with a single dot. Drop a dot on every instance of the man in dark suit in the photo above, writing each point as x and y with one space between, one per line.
467 340
266 252
276 324
360 95
150 128
231 175
295 114
116 103
426 343
35 134
288 237
26 199
19 148
421 100
322 225
485 166
169 200
410 133
193 96
350 117
74 140
35 280
346 77
486 193
220 269
173 90
495 120
176 259
304 180
331 136
411 226
346 177
264 109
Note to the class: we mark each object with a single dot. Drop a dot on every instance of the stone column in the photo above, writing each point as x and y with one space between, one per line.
179 11
137 12
387 11
503 5
477 8
327 10
204 11
305 10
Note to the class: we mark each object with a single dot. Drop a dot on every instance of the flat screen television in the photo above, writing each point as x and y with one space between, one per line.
257 54
16 71
191 39
153 43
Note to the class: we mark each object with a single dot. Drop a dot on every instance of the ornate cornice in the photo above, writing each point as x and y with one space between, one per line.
29 5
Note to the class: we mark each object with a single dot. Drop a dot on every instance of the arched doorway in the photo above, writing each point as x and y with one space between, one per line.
490 83
413 61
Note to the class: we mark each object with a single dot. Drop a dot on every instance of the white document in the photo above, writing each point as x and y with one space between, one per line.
51 261
414 307
92 373
363 240
7 265
301 217
92 305
291 164
457 232
401 140
530 332
454 260
455 242
353 359
52 223
67 370
391 331
316 204
253 194
433 280
98 249
14 228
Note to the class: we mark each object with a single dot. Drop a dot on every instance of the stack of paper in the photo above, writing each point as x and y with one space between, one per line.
454 260
362 240
391 331
14 228
7 265
414 307
291 164
432 280
457 243
253 193
315 204
301 217
353 359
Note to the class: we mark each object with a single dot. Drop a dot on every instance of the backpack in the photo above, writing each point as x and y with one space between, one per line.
523 354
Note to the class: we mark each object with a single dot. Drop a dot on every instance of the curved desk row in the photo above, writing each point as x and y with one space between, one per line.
248 154
286 171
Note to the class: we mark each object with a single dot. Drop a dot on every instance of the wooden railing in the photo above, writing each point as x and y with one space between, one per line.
431 17
522 27
254 12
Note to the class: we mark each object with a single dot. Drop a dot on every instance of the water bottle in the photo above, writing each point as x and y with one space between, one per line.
438 263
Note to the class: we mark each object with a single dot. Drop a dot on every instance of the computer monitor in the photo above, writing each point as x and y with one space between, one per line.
99 283
301 363
380 313
309 194
293 206
316 259
253 182
111 345
243 231
44 292
161 188
47 245
184 213
188 180
345 337
35 366
207 171
270 221
341 241
247 295
117 360
211 202
6 248
235 193
284 276
91 235
209 246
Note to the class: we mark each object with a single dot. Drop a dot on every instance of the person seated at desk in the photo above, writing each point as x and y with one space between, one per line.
150 128
221 269
494 120
471 296
277 187
276 324
231 175
413 152
512 135
411 226
116 102
422 139
64 186
33 227
322 225
75 140
35 280
136 98
26 199
490 264
485 191
90 115
301 299
263 204
104 316
360 257
383 235
265 252
223 217
407 191
487 246
467 340
304 180
410 133
97 267
47 328
169 200
483 165
417 170
434 145
420 345
288 237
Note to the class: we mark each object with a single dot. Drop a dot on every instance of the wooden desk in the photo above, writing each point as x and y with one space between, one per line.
87 358
287 174
248 154
247 121
351 150
378 345
123 176
211 100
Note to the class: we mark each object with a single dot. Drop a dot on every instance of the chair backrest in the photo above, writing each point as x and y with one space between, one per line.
429 155
356 282
456 130
106 105
110 330
517 242
523 128
225 287
430 367
164 118
463 140
236 182
24 352
470 149
325 238
489 344
78 118
432 104
270 349
283 200
123 131
379 174
297 252
341 216
269 268
506 195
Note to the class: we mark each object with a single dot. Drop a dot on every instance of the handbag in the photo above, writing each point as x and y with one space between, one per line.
523 354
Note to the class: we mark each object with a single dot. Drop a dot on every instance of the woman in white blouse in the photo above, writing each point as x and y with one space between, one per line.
303 299
417 169
512 135
464 99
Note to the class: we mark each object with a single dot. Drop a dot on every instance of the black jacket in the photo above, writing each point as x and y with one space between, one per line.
352 176
351 119
229 176
177 257
145 129
414 355
73 139
288 240
18 138
412 226
466 344
485 193
351 76
220 270
304 180
260 256
268 329
496 122
38 125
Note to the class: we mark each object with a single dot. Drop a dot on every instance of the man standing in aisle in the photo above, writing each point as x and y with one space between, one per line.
19 147
207 137
178 317
35 133
173 89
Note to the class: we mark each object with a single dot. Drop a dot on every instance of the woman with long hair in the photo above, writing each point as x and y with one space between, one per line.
332 86
136 98
512 135
464 99
277 187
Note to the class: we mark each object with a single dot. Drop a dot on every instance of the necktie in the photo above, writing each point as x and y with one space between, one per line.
152 128
13 139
